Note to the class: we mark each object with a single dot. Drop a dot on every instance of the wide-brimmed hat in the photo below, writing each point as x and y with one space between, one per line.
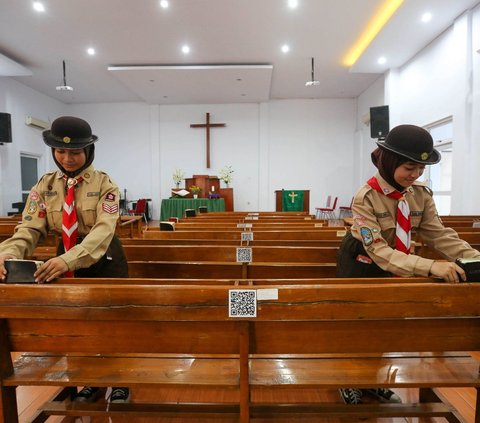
412 142
69 132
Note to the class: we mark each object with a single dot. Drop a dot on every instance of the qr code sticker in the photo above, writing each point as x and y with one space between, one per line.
247 236
244 255
242 303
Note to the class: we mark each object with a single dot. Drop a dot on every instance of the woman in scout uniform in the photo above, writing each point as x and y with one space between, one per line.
81 205
386 211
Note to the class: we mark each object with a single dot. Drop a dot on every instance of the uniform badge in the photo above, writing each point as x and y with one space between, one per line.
424 156
32 207
110 208
41 213
67 140
93 194
87 175
110 197
366 235
34 195
28 217
49 187
42 206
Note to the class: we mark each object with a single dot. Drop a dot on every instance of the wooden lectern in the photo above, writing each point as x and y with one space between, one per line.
210 184
278 200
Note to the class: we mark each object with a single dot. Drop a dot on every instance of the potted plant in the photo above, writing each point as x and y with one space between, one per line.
177 177
226 174
195 190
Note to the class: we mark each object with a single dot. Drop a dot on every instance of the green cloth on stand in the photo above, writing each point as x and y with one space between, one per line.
175 207
292 200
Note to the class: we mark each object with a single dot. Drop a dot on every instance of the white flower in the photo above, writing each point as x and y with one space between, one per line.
178 176
226 174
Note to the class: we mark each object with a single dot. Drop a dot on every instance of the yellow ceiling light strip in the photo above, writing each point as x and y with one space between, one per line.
373 28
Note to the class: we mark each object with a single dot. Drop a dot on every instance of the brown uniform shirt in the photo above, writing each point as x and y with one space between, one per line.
374 224
97 205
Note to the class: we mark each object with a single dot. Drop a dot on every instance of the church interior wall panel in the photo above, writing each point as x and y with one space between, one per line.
311 147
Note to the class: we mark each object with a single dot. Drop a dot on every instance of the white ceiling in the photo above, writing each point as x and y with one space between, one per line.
235 47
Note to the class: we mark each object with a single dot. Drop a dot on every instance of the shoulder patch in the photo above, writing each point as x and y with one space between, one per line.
366 235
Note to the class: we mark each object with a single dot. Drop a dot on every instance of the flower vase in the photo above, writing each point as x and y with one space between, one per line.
195 195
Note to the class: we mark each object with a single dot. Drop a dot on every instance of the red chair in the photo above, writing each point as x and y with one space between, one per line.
345 211
140 209
327 212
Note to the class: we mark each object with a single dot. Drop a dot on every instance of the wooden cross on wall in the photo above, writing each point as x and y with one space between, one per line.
207 126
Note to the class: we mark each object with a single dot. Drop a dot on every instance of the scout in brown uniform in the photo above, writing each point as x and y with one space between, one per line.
387 210
98 252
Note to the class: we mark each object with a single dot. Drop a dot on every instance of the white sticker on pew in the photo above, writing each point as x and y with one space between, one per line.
244 225
251 217
246 236
267 294
318 225
242 303
341 234
253 214
244 255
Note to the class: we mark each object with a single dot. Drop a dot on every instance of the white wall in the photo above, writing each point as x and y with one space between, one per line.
21 101
301 144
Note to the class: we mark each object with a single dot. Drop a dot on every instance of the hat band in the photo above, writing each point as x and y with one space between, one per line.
68 140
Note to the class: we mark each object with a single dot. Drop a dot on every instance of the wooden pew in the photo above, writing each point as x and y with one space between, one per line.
324 336
215 253
331 234
233 242
229 270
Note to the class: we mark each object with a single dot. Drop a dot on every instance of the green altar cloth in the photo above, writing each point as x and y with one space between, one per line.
172 207
292 200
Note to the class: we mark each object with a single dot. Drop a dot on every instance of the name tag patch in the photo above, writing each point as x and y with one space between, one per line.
93 194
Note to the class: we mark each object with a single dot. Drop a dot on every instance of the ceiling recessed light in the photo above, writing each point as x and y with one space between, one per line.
185 49
382 60
285 48
38 6
426 17
292 4
91 51
164 4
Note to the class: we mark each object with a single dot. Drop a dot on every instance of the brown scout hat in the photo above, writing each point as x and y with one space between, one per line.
70 133
412 142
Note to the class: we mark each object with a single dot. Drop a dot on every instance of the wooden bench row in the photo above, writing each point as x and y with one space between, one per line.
246 344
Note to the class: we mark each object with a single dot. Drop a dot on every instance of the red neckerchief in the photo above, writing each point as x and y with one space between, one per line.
404 224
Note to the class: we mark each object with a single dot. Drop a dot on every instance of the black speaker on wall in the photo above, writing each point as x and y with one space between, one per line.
5 128
379 122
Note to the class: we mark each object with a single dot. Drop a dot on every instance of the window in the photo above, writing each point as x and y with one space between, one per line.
439 176
29 172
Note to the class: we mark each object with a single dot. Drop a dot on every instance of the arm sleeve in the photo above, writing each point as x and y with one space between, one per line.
444 240
32 228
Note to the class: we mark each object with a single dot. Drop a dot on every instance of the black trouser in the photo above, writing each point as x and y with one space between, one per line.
348 265
113 263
